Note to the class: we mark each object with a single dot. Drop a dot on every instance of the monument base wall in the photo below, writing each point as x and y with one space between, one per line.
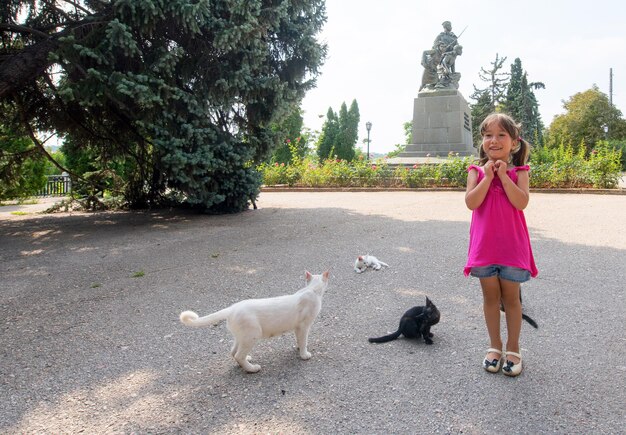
442 124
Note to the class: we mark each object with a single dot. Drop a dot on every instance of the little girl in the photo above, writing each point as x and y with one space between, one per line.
499 252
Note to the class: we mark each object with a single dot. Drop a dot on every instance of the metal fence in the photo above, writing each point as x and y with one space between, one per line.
57 185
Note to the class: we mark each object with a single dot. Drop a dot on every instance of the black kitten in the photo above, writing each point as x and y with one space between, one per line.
414 323
524 316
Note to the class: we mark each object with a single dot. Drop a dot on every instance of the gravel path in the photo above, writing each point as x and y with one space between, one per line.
91 341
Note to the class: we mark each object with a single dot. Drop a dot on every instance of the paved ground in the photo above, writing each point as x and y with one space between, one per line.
88 346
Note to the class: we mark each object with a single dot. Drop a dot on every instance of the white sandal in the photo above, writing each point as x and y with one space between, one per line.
511 369
493 366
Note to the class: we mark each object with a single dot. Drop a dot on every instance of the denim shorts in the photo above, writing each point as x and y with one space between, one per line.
509 273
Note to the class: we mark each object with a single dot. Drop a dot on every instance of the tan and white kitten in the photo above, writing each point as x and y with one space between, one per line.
364 261
253 319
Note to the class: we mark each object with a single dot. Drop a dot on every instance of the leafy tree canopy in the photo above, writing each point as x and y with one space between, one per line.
180 93
583 122
22 169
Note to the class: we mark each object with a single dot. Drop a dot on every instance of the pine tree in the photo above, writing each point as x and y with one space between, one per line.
488 99
342 145
349 130
522 104
340 133
352 129
480 110
185 92
294 138
327 141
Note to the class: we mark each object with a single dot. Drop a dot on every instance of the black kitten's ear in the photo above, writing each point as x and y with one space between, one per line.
428 302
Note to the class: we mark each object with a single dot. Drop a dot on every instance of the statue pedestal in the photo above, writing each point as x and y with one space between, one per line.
442 125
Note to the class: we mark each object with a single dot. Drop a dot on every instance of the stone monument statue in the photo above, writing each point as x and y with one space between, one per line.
439 62
442 122
430 61
447 37
447 77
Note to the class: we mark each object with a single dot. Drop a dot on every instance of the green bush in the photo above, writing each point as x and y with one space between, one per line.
605 166
274 173
566 167
417 176
620 145
454 171
312 176
559 167
541 174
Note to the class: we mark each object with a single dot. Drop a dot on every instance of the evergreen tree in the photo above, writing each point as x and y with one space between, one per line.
342 146
480 110
352 129
340 133
294 138
522 105
326 147
348 131
185 92
488 99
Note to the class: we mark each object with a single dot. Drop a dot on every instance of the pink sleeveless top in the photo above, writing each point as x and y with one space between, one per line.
498 232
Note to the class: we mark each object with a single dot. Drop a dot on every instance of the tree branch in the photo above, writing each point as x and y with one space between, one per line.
45 152
24 67
39 144
23 29
78 6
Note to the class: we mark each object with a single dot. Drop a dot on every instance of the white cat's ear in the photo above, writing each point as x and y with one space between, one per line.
307 275
325 275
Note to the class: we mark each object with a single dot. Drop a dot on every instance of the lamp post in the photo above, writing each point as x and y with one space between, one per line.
606 131
368 125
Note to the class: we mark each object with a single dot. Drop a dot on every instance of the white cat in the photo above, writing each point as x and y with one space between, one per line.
364 261
252 319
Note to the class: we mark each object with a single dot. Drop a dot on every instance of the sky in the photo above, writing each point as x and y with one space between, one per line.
375 47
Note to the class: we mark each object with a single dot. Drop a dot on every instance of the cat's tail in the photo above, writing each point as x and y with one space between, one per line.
190 318
383 264
530 321
385 338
